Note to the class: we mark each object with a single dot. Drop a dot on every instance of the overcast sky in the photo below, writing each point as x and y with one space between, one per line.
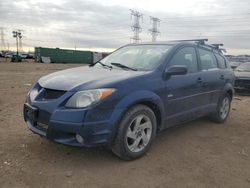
105 24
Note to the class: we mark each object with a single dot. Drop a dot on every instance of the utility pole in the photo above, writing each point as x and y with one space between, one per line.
20 40
136 28
2 39
154 31
18 35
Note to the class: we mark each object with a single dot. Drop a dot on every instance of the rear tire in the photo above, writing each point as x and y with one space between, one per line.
223 109
135 134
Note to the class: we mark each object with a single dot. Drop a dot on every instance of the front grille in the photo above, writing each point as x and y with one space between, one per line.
52 94
242 83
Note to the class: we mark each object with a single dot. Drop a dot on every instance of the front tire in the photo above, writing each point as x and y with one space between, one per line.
222 110
135 134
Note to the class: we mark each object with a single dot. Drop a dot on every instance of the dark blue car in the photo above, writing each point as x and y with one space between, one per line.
124 100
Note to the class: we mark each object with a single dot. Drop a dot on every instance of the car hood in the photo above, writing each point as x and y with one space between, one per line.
71 78
242 74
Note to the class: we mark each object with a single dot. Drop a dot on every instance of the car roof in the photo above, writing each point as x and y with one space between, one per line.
172 43
177 44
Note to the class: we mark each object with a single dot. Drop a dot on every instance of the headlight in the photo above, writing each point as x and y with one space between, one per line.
86 98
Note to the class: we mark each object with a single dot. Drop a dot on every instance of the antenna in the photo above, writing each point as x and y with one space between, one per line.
154 31
136 28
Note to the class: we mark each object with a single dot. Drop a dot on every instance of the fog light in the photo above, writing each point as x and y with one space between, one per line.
79 138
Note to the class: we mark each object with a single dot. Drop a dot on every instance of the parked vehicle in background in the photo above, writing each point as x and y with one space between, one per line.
235 64
8 55
16 58
30 55
242 81
23 55
126 98
1 54
27 55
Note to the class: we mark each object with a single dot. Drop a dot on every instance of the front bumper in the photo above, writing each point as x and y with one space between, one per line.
63 132
45 113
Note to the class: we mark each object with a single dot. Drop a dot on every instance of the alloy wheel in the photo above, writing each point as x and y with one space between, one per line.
224 109
139 133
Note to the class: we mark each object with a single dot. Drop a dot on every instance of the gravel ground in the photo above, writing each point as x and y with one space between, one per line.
197 154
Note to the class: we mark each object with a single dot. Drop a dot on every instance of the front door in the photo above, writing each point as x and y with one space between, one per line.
184 92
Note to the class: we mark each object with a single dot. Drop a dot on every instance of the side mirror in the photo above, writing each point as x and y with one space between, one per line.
176 70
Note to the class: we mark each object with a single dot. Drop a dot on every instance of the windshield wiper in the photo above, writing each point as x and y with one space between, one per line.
123 66
104 65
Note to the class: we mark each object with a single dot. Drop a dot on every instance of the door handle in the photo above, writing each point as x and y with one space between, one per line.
222 77
199 80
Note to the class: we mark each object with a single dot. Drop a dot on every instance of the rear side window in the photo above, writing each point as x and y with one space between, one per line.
186 56
221 61
208 60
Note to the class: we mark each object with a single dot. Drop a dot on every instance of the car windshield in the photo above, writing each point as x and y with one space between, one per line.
244 67
136 57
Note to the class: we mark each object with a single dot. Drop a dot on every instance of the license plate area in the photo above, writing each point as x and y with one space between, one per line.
32 112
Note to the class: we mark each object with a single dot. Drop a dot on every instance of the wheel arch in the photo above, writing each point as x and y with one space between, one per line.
147 98
229 90
155 108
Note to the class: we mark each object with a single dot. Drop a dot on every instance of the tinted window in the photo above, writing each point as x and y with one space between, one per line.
185 56
208 60
221 61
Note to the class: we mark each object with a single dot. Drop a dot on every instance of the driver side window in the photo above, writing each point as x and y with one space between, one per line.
185 56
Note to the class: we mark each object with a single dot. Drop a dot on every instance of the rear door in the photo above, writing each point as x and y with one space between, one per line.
184 92
226 75
212 77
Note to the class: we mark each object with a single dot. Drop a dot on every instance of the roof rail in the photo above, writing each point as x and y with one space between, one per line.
202 43
217 46
199 41
222 50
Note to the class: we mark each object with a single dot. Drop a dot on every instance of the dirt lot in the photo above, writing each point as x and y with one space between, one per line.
199 154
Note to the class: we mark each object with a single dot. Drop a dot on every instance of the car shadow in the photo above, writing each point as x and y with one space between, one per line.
61 154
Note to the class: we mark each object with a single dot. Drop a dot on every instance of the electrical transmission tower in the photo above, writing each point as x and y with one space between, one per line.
3 47
136 27
154 31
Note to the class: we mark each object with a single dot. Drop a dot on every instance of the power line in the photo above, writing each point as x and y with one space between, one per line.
136 28
217 16
154 31
3 46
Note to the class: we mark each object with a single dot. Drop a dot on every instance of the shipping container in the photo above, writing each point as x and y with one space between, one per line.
57 55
